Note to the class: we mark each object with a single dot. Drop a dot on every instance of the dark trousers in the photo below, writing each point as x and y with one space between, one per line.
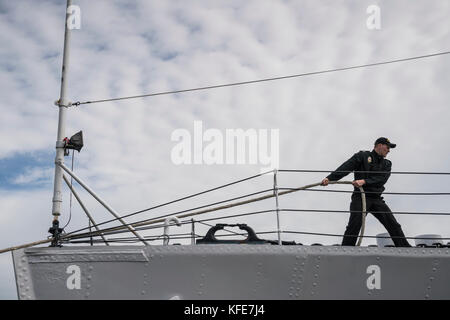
381 211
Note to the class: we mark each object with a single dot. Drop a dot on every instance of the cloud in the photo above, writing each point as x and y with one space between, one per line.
33 176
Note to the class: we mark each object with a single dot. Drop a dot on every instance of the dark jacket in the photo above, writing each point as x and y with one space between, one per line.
366 161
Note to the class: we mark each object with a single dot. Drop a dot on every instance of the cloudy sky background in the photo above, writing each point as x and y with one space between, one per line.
133 47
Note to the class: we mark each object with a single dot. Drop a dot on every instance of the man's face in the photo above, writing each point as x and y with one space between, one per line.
383 149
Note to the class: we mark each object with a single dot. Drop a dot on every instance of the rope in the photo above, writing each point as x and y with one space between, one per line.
262 80
26 245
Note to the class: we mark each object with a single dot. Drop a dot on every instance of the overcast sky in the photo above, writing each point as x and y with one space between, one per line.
128 48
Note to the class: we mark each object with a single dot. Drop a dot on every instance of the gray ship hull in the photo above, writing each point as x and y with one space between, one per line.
230 272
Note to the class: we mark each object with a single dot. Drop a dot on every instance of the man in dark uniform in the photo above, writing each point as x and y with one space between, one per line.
373 184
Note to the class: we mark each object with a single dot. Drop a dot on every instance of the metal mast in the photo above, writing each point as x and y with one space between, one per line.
63 104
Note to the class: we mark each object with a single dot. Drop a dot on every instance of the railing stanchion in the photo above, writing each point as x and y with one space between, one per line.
275 190
193 231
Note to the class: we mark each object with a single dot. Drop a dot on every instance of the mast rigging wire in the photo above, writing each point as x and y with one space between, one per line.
108 230
262 80
258 175
255 176
152 221
178 200
143 222
288 190
157 226
161 219
174 213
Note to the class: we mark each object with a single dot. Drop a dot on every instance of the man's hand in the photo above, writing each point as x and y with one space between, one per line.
359 183
325 182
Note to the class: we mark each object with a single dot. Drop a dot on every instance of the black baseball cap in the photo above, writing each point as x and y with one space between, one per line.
385 141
